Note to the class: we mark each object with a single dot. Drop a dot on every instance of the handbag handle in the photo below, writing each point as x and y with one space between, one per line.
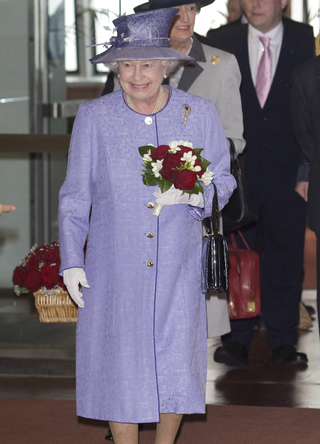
211 224
234 242
234 161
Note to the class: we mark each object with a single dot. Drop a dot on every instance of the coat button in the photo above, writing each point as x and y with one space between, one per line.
150 234
148 120
150 205
150 263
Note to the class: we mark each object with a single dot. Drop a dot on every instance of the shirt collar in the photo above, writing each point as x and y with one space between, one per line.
275 34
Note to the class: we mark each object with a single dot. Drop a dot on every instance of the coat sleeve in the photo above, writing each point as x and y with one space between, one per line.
228 104
217 152
301 116
75 196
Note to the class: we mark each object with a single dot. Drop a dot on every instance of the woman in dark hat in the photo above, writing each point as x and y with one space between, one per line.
141 331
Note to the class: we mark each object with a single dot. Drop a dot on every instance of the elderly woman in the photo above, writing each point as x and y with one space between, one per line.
213 75
141 332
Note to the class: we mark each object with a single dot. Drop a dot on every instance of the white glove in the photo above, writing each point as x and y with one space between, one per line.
72 277
174 196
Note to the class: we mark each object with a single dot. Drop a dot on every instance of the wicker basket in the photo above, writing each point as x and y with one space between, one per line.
55 306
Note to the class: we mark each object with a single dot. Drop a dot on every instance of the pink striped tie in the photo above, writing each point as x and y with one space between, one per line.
263 82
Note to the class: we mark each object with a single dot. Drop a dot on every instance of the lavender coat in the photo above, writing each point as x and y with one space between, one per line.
141 337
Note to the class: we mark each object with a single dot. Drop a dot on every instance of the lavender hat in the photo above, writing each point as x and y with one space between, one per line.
142 37
157 4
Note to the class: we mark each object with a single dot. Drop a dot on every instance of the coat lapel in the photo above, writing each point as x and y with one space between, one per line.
242 52
192 70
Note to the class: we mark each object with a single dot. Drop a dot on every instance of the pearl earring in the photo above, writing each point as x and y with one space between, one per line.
118 75
165 76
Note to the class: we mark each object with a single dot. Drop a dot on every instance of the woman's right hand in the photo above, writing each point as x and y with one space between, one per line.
72 278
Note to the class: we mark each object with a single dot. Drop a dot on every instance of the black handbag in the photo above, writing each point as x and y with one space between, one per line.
214 253
238 212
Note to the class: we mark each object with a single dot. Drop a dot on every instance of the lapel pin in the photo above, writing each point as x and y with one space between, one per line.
215 60
186 110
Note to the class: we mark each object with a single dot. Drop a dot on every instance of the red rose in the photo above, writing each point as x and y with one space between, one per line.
50 276
159 153
19 275
33 262
33 280
51 256
40 253
185 149
185 180
171 162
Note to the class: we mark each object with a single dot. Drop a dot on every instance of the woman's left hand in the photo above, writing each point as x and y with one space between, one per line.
72 278
174 196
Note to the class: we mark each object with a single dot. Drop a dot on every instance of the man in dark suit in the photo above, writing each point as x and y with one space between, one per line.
305 105
303 27
271 164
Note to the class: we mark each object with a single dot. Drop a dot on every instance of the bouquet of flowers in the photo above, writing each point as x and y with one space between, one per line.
39 269
177 165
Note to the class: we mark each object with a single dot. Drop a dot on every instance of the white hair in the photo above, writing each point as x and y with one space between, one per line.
169 64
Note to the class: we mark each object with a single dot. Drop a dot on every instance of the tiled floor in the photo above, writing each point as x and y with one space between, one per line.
37 361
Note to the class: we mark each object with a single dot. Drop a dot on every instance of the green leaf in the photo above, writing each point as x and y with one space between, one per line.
205 163
198 152
164 185
150 180
145 149
24 290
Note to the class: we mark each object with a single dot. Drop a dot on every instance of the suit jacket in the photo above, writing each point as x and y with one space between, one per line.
271 155
305 103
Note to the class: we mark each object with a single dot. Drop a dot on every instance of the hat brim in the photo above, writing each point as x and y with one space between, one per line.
139 53
159 4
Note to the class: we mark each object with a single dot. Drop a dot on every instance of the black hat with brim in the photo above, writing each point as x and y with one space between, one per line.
159 4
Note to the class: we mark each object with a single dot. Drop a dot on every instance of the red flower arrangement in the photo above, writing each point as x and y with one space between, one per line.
177 165
39 269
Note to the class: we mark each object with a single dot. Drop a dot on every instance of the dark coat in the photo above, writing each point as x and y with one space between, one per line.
272 158
269 131
305 105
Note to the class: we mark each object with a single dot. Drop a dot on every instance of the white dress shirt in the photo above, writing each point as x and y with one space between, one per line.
256 48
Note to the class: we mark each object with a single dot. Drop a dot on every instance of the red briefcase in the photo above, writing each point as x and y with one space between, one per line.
244 293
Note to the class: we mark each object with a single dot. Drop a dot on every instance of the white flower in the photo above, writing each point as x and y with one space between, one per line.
174 146
156 167
189 158
147 157
196 169
207 177
185 143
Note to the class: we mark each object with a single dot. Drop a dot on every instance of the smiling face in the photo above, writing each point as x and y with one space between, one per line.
263 15
183 24
141 79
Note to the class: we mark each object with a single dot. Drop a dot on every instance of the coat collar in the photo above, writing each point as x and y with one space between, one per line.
192 70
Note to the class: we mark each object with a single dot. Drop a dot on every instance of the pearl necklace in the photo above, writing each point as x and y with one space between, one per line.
156 108
188 52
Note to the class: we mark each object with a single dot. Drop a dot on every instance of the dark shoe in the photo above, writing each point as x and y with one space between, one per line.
309 309
109 436
287 354
232 353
